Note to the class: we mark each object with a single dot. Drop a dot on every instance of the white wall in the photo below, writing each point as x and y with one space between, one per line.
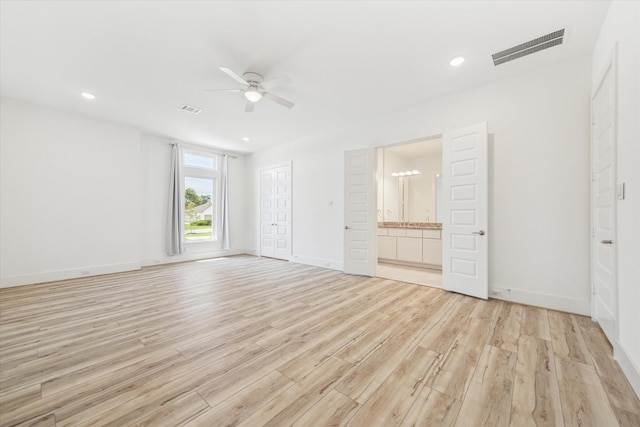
82 197
539 180
622 26
70 195
156 160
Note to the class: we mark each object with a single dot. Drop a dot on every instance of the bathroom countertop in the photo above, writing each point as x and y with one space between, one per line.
415 225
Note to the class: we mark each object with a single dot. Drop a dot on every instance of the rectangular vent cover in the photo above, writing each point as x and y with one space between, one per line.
190 109
536 45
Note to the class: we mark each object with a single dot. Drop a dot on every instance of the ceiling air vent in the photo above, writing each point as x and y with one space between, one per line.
190 109
533 46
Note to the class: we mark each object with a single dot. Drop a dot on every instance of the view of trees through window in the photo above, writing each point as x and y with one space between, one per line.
199 209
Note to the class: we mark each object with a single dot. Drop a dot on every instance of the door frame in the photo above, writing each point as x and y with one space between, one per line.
258 210
611 65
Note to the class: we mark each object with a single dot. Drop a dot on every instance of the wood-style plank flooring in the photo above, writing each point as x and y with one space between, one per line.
248 341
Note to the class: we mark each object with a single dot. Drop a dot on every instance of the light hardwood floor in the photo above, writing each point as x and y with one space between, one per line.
250 342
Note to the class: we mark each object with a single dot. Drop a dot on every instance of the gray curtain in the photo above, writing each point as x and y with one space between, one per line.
224 207
175 226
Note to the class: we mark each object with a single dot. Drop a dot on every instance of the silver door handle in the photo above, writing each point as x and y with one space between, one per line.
481 232
346 227
607 242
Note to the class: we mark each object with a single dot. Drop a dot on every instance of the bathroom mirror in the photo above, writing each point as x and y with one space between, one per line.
408 178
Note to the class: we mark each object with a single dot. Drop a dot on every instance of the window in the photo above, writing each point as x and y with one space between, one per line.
201 196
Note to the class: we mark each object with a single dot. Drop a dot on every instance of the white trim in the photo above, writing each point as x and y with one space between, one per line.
53 276
549 301
628 366
192 256
317 262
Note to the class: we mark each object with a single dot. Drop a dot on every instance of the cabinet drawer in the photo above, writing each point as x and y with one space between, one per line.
383 231
413 233
398 232
431 234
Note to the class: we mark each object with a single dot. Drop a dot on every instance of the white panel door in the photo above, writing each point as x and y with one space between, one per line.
360 212
275 212
604 205
464 227
282 213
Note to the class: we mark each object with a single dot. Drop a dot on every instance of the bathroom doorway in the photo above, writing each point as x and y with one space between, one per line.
409 233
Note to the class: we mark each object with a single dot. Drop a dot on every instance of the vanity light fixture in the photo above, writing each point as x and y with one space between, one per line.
88 95
406 173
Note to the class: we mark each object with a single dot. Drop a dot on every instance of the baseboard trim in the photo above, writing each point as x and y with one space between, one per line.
553 302
165 259
630 369
317 262
53 276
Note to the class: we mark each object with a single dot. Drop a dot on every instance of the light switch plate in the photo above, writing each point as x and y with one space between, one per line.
620 191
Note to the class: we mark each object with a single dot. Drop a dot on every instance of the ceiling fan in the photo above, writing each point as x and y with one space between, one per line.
255 88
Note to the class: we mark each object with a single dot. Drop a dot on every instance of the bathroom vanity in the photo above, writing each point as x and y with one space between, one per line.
416 244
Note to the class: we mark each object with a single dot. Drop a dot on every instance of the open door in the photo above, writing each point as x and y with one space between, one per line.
360 212
603 203
465 206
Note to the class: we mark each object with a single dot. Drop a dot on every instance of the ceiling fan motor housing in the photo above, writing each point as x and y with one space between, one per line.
254 79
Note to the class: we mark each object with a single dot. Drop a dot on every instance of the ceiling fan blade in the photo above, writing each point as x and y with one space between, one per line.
249 107
223 90
270 84
279 100
234 76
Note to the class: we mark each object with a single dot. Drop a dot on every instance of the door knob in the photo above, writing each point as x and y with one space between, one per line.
481 232
346 227
607 242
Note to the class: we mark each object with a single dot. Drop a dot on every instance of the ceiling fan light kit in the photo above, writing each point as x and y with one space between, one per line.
255 88
253 95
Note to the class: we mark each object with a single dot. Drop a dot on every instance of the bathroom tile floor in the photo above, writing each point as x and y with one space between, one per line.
416 275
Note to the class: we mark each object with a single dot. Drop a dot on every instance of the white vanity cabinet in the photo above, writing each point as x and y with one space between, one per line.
432 251
386 245
410 245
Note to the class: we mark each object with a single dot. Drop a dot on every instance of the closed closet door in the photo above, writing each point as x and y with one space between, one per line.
275 212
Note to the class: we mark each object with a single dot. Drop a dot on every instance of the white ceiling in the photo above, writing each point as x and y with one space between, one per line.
347 60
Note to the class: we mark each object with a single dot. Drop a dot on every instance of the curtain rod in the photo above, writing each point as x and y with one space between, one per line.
204 148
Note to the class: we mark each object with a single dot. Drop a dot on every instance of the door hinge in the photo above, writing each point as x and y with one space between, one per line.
593 232
593 176
593 288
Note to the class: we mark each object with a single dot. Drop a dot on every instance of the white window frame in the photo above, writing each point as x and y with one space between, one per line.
189 171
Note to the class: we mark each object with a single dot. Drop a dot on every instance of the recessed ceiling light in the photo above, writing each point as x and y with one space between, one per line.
457 61
246 138
88 95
